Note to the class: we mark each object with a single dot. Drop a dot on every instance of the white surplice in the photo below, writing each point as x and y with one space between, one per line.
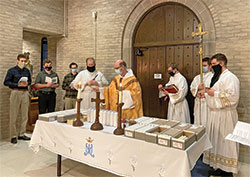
200 106
222 118
178 106
87 92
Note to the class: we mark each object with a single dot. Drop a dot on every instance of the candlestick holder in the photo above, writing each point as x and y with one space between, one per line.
78 122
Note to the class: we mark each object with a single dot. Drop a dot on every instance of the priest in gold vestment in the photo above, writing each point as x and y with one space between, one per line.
131 92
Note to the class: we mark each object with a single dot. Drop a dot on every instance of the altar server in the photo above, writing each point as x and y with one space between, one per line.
200 106
178 105
222 99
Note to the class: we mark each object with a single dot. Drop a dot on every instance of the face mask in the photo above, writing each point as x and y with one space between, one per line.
117 71
91 69
74 70
48 68
21 65
217 68
204 69
171 73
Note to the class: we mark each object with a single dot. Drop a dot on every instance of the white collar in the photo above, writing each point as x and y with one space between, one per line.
128 74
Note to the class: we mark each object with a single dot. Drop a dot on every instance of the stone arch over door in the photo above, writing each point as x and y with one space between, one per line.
200 9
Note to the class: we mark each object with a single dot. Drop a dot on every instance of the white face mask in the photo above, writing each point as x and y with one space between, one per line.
204 69
117 71
21 65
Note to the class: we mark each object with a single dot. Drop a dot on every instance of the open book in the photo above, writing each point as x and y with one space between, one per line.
170 88
241 133
51 80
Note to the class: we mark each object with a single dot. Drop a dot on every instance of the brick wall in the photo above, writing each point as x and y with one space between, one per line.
43 16
230 19
79 44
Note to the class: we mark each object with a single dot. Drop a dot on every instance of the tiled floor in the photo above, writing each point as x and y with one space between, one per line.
20 161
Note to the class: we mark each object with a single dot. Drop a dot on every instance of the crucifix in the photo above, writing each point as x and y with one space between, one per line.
97 125
200 34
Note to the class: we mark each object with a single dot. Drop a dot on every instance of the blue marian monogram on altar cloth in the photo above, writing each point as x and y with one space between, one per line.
89 147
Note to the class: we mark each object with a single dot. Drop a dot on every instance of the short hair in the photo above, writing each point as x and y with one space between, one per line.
173 65
90 58
72 64
220 57
206 59
47 61
123 63
20 56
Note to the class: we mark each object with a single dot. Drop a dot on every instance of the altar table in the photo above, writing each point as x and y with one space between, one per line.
119 155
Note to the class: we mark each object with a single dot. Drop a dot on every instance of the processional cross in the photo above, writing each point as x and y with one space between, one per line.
200 34
97 125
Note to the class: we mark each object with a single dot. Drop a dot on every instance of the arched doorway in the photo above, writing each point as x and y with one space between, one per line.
162 36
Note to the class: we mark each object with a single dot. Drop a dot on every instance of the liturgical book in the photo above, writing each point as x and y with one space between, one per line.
170 88
241 133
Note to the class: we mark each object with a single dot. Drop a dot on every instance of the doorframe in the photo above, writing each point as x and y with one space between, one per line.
143 7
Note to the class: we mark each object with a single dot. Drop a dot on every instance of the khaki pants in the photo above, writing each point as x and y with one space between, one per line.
19 104
70 103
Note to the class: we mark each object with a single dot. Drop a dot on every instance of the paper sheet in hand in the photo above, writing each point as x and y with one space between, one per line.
23 79
127 100
241 133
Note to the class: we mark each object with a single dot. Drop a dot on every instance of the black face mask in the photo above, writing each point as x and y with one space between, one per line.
171 73
217 69
48 68
91 69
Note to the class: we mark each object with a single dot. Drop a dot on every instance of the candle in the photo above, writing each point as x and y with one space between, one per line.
79 90
120 94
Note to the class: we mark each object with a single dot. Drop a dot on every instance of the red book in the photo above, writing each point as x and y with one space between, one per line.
170 88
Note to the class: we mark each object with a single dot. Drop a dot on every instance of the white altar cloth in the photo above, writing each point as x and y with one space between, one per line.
116 154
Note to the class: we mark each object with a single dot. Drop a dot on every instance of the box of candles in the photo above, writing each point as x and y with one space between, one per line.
165 137
183 140
130 131
199 131
182 126
152 134
140 133
166 123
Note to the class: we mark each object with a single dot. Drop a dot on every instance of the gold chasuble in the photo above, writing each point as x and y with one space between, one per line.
129 84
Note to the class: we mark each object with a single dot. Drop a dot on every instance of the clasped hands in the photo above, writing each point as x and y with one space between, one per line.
201 91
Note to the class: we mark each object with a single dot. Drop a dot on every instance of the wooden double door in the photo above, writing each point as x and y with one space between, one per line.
164 36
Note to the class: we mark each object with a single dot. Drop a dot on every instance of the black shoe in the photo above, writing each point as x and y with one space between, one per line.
13 140
220 172
226 174
23 138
